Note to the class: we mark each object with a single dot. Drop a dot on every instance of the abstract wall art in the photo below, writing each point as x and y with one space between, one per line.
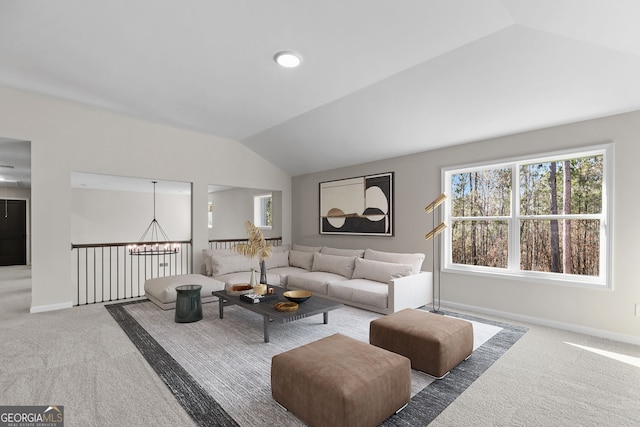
361 205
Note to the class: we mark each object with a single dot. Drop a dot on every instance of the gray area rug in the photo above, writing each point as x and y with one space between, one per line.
219 370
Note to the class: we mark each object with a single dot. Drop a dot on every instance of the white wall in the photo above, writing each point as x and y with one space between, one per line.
14 193
232 208
418 181
108 216
68 137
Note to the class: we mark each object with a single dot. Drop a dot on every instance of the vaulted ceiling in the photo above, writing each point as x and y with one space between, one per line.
379 78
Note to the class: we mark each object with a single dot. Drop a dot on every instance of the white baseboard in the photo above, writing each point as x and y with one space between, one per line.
51 307
549 323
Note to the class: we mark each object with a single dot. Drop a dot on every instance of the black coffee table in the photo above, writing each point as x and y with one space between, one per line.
311 307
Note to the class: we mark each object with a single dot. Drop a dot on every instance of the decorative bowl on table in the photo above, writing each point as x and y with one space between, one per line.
298 296
286 306
240 289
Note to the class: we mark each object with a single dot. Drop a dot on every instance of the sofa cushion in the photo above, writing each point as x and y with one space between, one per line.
301 259
241 277
313 281
303 248
341 265
414 259
277 259
230 264
342 252
380 271
361 291
284 272
208 253
162 290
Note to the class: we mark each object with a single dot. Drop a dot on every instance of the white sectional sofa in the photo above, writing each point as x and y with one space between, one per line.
384 282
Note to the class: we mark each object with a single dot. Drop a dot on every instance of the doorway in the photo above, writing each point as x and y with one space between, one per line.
13 232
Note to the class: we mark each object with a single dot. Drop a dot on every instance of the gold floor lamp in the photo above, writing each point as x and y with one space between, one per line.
431 235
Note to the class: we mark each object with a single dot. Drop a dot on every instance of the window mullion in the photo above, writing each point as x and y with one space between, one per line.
514 233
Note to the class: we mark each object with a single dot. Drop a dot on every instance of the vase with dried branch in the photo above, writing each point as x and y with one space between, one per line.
256 246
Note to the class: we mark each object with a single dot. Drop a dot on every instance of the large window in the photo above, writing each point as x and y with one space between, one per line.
262 211
543 217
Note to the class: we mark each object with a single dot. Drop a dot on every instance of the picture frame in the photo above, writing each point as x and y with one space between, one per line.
360 205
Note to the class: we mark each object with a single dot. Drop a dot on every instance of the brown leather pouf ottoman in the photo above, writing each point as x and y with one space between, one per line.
339 381
434 343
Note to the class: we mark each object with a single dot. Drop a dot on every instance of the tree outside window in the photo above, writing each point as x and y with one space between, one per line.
262 211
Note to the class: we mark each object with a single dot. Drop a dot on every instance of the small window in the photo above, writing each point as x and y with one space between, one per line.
542 217
262 211
210 215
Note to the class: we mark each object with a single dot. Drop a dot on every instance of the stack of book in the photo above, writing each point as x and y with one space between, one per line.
255 298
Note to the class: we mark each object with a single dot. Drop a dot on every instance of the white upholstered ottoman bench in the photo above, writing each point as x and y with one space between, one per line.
162 290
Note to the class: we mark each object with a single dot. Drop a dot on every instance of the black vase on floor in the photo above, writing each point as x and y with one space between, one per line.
263 273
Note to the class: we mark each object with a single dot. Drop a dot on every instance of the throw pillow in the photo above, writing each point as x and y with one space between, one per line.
277 259
342 252
301 259
342 265
380 271
208 253
232 264
281 248
414 259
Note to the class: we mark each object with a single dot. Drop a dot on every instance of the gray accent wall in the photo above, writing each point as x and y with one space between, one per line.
605 312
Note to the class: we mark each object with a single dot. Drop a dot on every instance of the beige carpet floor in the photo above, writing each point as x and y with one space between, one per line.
81 359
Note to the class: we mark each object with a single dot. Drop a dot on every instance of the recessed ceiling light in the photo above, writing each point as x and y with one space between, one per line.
288 59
